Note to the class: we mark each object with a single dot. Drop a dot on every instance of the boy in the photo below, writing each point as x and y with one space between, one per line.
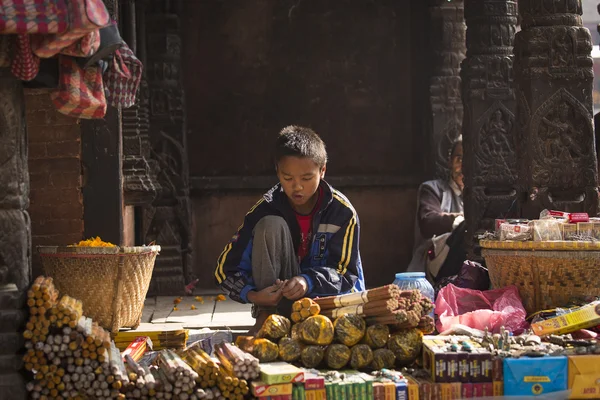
301 238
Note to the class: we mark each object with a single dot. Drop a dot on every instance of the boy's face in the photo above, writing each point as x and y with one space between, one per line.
300 178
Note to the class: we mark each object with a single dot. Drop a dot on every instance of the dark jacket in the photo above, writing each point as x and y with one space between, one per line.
331 267
437 206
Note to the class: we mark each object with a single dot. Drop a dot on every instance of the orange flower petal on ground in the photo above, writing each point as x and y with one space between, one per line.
221 298
193 307
177 300
200 299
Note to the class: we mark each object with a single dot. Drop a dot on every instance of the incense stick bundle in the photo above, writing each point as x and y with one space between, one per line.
372 308
396 317
380 293
204 366
241 364
231 388
304 308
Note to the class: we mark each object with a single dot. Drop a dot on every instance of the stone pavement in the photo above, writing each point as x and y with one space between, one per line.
216 315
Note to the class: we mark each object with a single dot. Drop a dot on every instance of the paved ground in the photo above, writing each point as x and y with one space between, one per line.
228 314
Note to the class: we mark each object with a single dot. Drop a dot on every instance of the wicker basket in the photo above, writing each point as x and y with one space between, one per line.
111 282
548 274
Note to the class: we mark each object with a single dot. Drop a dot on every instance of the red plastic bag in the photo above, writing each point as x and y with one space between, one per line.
476 309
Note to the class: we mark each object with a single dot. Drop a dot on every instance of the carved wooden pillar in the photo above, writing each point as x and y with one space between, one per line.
490 165
448 42
139 180
555 142
15 233
168 219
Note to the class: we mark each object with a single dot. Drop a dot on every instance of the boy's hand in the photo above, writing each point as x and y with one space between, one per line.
295 288
269 296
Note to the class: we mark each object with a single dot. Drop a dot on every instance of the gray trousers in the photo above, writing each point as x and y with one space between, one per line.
273 255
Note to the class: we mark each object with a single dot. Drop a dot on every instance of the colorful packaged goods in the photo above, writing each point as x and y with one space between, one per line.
521 231
535 376
261 389
138 348
584 377
280 372
584 317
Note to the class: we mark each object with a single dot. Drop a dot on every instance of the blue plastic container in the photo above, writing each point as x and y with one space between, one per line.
415 280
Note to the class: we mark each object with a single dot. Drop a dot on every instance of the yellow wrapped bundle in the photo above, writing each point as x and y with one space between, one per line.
317 330
275 327
349 329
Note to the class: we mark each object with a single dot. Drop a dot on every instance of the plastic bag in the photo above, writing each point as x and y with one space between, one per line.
472 275
476 309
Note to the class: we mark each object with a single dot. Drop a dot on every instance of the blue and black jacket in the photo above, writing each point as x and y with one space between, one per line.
331 267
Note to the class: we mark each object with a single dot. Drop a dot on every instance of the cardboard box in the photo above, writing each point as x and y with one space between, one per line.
498 388
317 394
467 391
262 389
585 228
413 388
534 376
584 317
456 366
568 231
584 377
280 372
497 369
313 381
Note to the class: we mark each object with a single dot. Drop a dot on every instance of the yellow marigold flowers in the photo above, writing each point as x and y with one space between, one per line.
175 309
220 298
94 242
193 307
200 299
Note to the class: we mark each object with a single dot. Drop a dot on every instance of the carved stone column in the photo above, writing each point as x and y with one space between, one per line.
168 219
490 164
555 142
448 42
15 233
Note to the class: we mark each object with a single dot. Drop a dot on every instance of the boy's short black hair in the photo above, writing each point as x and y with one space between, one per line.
299 141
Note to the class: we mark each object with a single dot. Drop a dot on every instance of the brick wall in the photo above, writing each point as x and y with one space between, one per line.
55 174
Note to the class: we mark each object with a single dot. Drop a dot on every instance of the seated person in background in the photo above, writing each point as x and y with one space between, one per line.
299 240
439 226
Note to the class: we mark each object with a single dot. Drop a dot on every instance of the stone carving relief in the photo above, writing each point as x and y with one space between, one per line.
555 137
494 149
448 43
15 233
561 132
168 219
489 120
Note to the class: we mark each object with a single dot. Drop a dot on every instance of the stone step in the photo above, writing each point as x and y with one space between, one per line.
12 320
11 298
11 342
12 387
10 363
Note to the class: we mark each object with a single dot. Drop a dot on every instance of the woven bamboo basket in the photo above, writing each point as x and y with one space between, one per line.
111 282
548 274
